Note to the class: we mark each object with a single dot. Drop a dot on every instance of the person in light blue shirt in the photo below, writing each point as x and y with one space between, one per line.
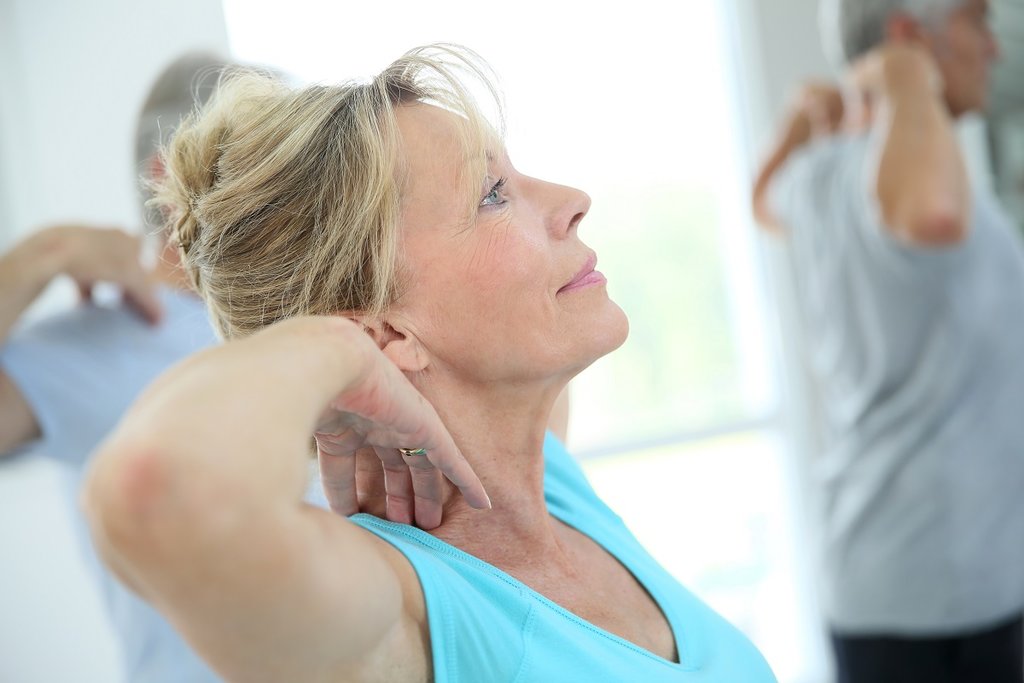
77 373
66 380
385 278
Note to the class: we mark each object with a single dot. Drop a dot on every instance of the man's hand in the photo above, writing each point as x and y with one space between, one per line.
821 102
87 255
816 109
90 255
893 70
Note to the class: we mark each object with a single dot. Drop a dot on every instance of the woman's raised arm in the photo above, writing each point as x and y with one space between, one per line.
196 502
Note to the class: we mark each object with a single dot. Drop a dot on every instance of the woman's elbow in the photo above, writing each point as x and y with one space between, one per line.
125 497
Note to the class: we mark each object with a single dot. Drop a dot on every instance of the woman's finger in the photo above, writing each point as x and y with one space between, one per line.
338 478
442 453
370 486
428 490
391 414
457 470
397 485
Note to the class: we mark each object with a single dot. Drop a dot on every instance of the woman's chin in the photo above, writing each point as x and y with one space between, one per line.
619 329
611 332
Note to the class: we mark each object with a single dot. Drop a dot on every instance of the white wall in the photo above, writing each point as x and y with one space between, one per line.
73 76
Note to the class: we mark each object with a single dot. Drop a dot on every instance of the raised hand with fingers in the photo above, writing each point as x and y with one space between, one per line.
385 415
347 394
86 254
823 105
896 69
90 255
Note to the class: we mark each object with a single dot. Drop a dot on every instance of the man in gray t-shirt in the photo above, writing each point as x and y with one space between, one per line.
911 286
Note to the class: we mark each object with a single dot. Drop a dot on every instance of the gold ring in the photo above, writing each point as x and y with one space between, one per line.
412 451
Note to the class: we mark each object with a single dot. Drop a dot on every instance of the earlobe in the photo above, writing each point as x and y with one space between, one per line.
406 352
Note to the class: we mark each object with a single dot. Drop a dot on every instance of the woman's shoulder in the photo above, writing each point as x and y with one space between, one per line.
475 613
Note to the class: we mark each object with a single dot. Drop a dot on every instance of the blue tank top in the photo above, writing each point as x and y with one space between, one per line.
486 626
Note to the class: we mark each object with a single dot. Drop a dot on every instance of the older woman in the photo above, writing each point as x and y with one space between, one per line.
423 298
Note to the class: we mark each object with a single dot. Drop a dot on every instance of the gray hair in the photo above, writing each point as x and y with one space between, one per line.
183 85
851 28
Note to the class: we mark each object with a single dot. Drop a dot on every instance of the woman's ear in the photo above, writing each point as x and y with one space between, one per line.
401 347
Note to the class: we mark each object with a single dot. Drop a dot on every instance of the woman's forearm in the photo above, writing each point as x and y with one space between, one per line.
225 431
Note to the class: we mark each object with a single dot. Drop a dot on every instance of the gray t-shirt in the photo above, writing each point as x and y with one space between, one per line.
919 353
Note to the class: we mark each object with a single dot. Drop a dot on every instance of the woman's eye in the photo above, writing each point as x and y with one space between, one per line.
494 198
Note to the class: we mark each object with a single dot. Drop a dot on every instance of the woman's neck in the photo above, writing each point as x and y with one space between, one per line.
501 434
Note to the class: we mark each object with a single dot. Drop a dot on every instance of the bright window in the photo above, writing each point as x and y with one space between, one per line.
637 105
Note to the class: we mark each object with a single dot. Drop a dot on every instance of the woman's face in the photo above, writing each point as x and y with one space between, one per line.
511 296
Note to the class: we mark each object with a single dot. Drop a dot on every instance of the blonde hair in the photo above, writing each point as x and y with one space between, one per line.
287 201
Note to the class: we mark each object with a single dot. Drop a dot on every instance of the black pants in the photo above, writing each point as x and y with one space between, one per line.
995 655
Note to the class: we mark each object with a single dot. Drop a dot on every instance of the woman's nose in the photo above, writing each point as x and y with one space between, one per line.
573 206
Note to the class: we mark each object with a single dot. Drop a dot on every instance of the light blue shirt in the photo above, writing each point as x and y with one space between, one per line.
919 353
487 626
80 371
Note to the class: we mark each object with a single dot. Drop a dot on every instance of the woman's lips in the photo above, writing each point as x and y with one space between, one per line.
585 277
594 277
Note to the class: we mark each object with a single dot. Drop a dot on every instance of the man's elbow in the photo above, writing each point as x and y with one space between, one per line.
932 228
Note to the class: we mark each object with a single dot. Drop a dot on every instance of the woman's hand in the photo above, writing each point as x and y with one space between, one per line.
378 415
